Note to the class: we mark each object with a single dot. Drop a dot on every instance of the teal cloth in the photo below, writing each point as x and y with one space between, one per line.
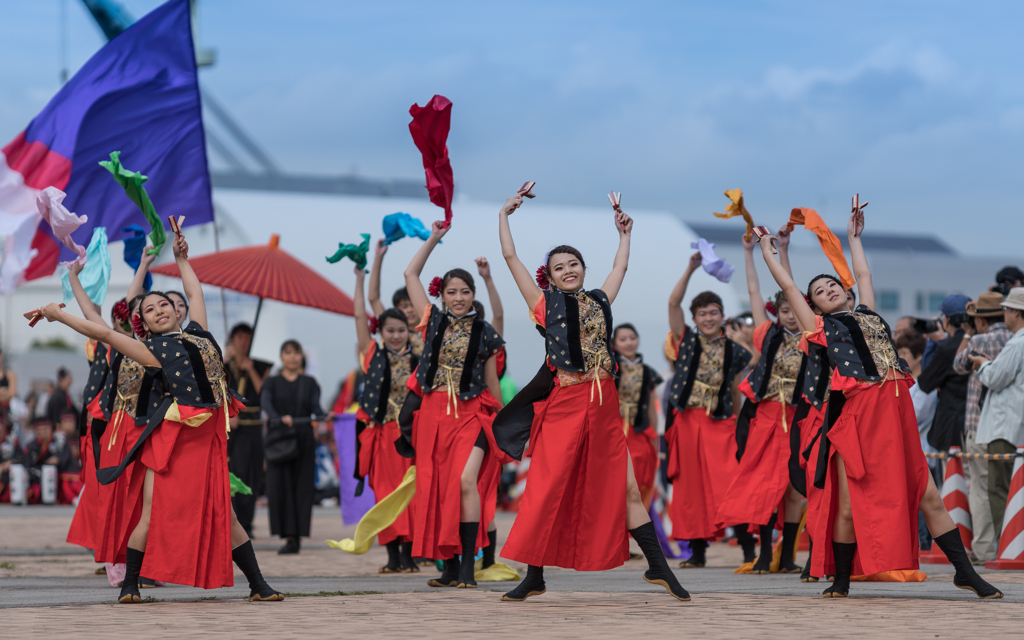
131 182
95 275
357 252
401 225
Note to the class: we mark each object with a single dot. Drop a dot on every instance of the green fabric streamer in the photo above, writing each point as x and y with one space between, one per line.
357 252
238 487
131 182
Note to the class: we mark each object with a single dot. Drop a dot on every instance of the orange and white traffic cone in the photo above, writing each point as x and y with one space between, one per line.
954 497
1011 539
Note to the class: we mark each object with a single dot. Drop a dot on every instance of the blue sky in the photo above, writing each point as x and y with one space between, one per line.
917 105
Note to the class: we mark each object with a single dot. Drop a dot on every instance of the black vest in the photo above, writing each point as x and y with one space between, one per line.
484 342
150 391
651 380
814 376
377 384
685 372
97 375
848 351
761 376
182 371
562 329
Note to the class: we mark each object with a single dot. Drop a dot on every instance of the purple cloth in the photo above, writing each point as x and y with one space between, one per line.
684 552
352 508
714 265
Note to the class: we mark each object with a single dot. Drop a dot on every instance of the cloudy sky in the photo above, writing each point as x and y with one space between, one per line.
918 105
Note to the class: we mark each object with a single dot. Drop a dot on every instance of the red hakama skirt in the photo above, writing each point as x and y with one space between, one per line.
443 443
87 521
190 520
702 465
112 511
643 450
573 512
876 434
379 460
763 475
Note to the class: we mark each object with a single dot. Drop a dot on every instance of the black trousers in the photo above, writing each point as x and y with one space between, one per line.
291 487
245 460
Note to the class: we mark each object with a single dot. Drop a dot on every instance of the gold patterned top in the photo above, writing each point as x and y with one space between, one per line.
416 342
594 342
710 376
212 362
129 382
452 357
882 350
786 368
401 368
631 380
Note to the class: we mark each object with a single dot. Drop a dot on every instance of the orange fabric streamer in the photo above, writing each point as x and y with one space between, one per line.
737 209
830 244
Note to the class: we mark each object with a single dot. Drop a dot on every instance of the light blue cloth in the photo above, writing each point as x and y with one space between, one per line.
95 276
400 225
714 265
133 248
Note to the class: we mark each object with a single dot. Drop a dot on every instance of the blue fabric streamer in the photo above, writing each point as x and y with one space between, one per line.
134 245
714 265
95 276
400 225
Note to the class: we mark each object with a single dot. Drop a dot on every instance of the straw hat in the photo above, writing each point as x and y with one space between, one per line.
986 306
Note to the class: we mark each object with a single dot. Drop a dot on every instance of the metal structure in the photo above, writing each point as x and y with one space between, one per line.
112 19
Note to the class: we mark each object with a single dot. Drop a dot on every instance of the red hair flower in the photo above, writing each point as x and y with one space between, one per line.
121 311
435 287
770 308
542 277
374 324
140 327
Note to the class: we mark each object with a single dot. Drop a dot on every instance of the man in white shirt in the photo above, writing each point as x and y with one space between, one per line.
1001 424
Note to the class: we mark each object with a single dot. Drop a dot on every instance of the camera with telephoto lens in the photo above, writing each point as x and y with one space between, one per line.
925 326
1002 289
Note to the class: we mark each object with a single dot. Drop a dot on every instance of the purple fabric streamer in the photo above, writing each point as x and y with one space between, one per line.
352 508
714 265
684 552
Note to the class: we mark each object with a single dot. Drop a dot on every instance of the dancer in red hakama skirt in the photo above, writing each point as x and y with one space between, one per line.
638 408
386 369
455 394
701 433
871 469
761 486
582 497
183 529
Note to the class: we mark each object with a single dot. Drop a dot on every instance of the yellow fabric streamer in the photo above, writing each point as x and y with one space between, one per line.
497 572
737 209
381 516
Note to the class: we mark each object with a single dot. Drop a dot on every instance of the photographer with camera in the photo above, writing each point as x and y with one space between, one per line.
1006 279
989 340
947 429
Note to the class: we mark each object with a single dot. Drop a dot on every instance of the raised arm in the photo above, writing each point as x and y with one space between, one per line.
523 277
374 292
757 309
497 311
861 271
804 315
190 283
611 286
138 285
783 237
417 294
359 310
130 347
676 317
84 303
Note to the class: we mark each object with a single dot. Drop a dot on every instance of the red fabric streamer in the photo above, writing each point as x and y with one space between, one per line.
429 128
542 277
830 244
435 287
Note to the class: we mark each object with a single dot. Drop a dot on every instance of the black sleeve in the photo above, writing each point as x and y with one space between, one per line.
267 400
314 399
939 369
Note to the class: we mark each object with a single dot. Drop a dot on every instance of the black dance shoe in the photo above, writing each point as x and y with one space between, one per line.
658 571
259 591
842 554
130 584
468 532
394 564
966 577
532 585
290 547
405 559
699 548
449 577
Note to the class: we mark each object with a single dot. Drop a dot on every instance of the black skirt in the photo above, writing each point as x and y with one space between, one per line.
290 487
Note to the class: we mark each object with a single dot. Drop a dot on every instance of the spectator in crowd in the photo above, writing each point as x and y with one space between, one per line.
948 426
48 448
291 401
991 334
1001 424
910 347
60 400
1006 279
904 327
10 452
8 387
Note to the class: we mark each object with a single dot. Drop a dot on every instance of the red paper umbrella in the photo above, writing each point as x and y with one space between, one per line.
266 271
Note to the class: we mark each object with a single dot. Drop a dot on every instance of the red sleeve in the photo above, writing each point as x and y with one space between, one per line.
368 356
540 311
818 335
759 333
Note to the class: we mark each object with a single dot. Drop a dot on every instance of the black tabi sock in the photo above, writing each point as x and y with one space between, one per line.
764 558
699 547
394 562
468 532
789 533
966 577
658 571
132 569
746 542
532 585
492 544
842 555
405 557
245 557
806 575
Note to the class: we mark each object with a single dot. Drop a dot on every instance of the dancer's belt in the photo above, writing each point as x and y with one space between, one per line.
449 388
890 366
599 356
222 381
781 382
703 395
120 408
624 408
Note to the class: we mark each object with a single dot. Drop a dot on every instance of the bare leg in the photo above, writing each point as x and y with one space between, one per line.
139 536
842 526
636 515
470 511
935 514
794 505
